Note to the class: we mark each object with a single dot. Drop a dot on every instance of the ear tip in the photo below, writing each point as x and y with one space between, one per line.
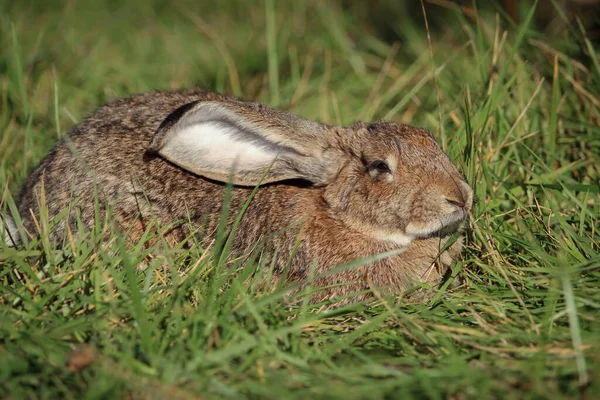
157 141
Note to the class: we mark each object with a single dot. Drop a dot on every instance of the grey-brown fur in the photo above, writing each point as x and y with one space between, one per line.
345 211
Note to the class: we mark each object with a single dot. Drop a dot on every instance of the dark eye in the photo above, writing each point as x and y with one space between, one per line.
379 166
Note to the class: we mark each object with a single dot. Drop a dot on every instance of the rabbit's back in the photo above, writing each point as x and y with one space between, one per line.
104 157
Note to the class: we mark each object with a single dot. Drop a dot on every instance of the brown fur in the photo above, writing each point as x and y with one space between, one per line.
342 215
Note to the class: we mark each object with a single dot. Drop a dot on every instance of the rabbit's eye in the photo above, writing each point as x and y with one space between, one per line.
378 166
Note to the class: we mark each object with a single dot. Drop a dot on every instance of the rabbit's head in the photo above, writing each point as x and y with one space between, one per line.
387 180
398 185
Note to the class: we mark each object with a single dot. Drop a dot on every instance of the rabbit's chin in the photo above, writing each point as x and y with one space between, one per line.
445 231
440 228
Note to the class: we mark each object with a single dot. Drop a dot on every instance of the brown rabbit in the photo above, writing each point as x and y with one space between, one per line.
354 191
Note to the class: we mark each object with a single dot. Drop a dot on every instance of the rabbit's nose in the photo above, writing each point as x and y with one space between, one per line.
458 202
467 194
462 197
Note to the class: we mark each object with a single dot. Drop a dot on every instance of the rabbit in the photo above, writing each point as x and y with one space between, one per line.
328 194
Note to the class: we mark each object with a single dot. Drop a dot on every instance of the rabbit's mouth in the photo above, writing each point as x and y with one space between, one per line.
447 230
442 227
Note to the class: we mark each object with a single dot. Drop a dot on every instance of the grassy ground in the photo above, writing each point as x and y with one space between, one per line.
517 107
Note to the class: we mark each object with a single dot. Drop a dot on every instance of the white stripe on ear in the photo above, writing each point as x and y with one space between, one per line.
207 144
213 139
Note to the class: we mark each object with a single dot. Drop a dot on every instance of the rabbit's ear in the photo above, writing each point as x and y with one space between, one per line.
240 141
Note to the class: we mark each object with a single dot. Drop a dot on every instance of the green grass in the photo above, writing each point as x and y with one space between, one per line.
519 114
